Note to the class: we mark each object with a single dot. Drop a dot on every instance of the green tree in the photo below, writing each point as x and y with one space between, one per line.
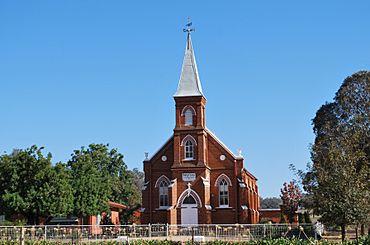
133 185
58 194
338 179
307 218
282 218
301 218
99 174
27 185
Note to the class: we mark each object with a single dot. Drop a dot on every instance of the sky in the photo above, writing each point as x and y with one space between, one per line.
79 72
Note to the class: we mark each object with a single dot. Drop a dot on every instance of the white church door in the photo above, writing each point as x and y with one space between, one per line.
189 211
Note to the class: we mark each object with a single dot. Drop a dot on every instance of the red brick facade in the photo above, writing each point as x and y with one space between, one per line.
212 162
194 178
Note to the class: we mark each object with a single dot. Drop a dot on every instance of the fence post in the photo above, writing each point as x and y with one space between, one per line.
45 232
167 231
216 231
264 231
22 236
192 235
150 230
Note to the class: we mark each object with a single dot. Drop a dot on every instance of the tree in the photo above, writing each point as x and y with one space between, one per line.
58 194
133 189
270 202
282 218
339 174
290 196
301 218
31 187
138 178
98 175
307 218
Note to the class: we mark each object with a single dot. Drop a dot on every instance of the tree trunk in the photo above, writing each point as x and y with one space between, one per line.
343 228
30 218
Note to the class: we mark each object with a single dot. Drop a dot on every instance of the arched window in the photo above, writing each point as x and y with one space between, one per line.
188 117
188 112
189 149
163 194
224 193
189 200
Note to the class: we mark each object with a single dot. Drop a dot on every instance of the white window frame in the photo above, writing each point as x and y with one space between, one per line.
188 117
189 150
163 193
223 187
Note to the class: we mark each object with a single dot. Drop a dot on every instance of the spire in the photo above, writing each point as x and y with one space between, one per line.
189 84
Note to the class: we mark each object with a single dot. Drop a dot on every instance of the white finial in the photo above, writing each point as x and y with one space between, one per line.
146 155
189 185
240 154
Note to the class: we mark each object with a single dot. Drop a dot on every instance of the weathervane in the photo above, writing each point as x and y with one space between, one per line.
188 28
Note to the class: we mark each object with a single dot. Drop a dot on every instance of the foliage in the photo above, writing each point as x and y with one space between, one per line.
338 177
282 218
307 218
301 218
30 186
270 202
19 222
59 193
134 184
290 196
280 241
98 175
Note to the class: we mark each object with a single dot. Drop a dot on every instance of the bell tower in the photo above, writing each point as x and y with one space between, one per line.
189 132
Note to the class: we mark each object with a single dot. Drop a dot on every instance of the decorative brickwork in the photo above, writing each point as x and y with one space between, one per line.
208 183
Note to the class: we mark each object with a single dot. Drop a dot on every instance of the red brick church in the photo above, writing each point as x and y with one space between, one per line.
194 178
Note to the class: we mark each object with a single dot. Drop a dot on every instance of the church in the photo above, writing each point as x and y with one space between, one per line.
194 178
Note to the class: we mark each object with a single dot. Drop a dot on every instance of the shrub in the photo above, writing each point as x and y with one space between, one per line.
307 218
282 218
301 218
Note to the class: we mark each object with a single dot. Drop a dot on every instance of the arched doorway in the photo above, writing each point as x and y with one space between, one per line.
189 211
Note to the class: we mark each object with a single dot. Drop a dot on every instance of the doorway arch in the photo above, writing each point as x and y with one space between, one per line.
189 202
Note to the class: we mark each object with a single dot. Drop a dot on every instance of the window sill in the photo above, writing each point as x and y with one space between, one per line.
224 207
188 159
164 208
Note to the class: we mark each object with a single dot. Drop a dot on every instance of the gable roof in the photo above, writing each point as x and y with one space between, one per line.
223 144
160 149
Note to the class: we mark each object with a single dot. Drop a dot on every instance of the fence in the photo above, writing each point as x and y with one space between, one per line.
83 233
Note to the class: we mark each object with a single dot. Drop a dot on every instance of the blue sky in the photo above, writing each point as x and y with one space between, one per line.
79 72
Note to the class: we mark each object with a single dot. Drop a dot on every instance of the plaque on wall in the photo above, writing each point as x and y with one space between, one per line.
188 176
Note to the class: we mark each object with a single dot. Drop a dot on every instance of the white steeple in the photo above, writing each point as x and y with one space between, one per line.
189 84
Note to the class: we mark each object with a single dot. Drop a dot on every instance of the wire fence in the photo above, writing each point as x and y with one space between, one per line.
86 233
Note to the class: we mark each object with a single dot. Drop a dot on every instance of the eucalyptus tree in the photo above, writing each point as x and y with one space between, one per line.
338 179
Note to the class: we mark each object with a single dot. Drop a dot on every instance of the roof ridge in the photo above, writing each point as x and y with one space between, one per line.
223 144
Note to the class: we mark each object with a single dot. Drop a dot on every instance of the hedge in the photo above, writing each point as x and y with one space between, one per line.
280 241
